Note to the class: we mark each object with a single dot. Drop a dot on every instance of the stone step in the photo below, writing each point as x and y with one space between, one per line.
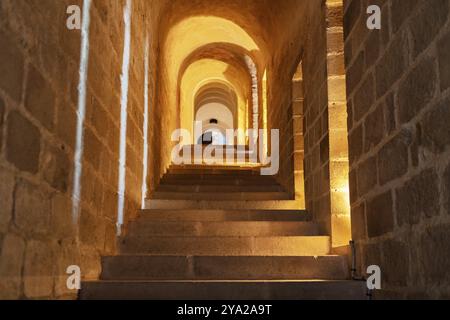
214 171
224 215
230 181
224 290
145 227
227 246
219 188
145 267
229 167
218 176
220 196
223 204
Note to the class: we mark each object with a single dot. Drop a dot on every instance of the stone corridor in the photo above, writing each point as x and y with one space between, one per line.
114 115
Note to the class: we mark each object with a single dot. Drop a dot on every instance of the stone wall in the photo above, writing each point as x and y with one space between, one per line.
398 81
317 155
38 103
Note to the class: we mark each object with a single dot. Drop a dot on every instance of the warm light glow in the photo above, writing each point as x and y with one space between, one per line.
81 112
124 116
204 72
145 126
192 34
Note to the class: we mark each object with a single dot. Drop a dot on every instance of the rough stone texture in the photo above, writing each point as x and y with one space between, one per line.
6 199
38 101
11 263
380 215
39 98
23 145
406 131
38 270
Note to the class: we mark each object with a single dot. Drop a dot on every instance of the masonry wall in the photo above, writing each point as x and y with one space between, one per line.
398 81
38 102
317 155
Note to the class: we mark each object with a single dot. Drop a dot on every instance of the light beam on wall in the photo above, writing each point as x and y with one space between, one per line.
255 97
124 116
145 125
81 111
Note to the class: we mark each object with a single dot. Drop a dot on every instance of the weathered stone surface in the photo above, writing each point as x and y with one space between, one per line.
11 68
447 188
356 144
91 230
392 65
359 222
400 12
417 90
66 125
444 61
2 113
66 254
367 176
374 128
372 48
393 158
38 270
435 127
354 73
6 198
32 209
414 200
364 98
23 145
380 215
11 267
427 23
351 15
435 259
389 114
56 168
395 266
40 99
62 222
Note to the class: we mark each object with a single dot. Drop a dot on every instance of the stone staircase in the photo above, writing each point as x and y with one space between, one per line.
223 233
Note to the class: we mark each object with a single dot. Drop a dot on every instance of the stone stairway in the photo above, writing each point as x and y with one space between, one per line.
223 233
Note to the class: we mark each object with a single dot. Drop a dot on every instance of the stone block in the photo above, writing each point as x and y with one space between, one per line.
355 73
351 16
392 65
395 267
435 127
443 48
393 157
355 147
434 247
62 222
427 23
56 168
40 98
6 198
358 219
32 209
400 12
38 270
374 128
364 98
417 90
11 68
380 215
367 176
2 114
23 145
418 198
11 264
